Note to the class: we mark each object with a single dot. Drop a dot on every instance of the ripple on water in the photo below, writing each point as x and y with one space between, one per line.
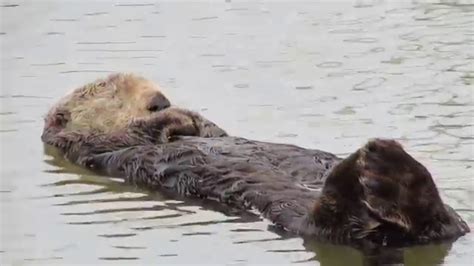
241 85
168 255
467 67
48 64
369 83
117 235
129 247
104 42
118 258
330 64
95 14
54 33
347 31
205 18
42 260
394 60
410 47
304 87
115 199
135 5
119 50
361 40
153 36
64 19
85 71
9 5
198 234
346 111
377 50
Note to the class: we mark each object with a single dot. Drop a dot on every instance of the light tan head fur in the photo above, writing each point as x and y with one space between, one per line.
108 104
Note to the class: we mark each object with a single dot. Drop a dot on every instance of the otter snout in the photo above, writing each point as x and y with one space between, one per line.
158 103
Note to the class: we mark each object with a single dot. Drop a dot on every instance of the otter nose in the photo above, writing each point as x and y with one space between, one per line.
158 103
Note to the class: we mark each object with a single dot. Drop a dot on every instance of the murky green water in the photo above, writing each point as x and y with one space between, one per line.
327 75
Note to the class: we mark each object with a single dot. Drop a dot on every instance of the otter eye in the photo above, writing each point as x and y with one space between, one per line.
61 118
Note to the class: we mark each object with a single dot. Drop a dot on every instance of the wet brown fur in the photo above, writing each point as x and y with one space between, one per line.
282 182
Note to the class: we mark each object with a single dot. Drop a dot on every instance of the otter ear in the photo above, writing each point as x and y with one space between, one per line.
381 197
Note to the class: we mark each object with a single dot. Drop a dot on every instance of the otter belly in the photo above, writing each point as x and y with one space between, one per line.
281 181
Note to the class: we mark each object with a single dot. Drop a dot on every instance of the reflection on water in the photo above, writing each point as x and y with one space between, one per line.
326 75
422 255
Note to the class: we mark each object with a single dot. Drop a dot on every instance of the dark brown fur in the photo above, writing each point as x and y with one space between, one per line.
378 195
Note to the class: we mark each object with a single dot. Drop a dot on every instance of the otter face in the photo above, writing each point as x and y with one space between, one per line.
107 105
384 195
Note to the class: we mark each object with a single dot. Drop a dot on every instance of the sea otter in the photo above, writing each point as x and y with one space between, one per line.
379 195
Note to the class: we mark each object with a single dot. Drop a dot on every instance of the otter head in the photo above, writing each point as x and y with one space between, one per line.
382 194
107 105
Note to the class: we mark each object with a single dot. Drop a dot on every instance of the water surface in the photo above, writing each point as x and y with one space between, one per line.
326 75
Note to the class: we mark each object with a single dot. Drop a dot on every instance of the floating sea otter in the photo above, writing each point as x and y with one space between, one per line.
379 195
